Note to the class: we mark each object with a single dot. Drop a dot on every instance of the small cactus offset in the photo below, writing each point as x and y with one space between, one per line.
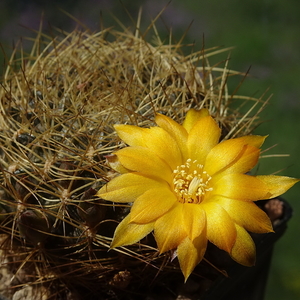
58 108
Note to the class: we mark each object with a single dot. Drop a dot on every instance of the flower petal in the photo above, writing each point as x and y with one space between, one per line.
155 138
241 187
175 130
244 162
238 155
128 187
202 138
194 219
115 164
251 140
151 205
127 233
193 116
169 230
191 253
277 185
144 160
132 135
246 214
243 251
164 146
220 227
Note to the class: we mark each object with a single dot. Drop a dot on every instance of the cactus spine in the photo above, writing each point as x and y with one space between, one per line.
56 115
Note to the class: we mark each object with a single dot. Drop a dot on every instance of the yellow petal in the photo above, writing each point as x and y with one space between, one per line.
243 251
244 162
164 146
175 130
246 214
152 204
127 233
194 219
191 253
156 139
220 227
236 155
193 116
131 135
277 185
169 230
252 140
115 164
144 160
128 187
202 138
240 187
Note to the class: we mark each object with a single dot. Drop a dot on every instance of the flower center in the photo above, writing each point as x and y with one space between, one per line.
191 182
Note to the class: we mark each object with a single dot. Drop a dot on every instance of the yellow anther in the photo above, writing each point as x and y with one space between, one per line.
191 182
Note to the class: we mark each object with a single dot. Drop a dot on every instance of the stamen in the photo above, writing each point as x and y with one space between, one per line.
191 182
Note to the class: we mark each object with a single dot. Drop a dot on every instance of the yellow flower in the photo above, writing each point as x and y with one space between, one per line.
189 189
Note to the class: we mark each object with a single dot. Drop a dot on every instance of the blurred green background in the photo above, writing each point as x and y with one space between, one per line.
267 38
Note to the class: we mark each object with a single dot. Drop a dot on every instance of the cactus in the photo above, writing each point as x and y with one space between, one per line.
58 106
